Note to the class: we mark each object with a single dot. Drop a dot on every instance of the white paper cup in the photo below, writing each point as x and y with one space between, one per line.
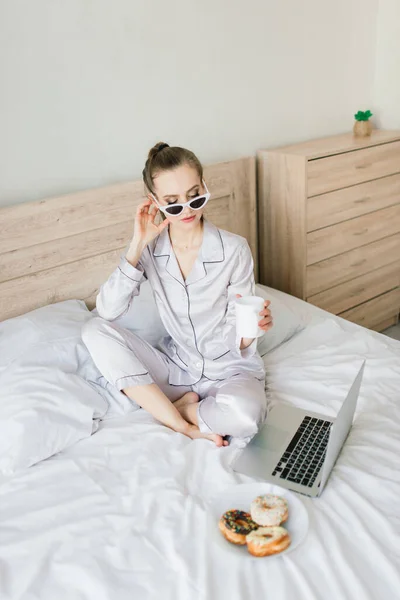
248 311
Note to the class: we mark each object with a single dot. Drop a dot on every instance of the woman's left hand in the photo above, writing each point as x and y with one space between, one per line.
265 324
267 321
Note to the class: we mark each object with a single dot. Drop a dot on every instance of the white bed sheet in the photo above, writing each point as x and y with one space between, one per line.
123 514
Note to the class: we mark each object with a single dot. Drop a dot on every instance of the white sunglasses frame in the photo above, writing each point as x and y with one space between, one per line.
163 209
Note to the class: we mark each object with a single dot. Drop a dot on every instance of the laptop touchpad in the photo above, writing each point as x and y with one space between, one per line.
272 438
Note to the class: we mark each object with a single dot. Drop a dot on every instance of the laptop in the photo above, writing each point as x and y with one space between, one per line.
297 449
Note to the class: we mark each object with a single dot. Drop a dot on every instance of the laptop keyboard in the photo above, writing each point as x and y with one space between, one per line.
304 456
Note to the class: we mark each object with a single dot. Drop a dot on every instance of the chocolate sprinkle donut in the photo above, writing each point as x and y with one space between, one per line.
239 521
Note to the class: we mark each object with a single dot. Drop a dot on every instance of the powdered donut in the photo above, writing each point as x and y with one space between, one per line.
269 510
266 541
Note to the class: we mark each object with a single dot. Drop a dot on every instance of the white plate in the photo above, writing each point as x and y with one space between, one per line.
240 497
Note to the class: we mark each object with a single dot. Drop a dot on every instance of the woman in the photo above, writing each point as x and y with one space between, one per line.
202 381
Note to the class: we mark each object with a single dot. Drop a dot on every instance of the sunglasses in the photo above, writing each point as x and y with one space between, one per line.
176 209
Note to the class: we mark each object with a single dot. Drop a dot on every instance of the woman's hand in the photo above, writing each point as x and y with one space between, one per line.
265 323
145 230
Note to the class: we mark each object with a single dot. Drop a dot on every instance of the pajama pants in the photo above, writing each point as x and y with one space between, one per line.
235 406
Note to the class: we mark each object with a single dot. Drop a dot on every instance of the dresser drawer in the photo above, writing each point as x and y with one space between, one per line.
386 323
360 289
343 267
350 168
375 311
336 239
348 203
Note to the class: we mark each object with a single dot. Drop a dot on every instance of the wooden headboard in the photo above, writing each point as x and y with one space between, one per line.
63 248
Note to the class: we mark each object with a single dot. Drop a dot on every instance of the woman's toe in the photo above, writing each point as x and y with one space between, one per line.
217 439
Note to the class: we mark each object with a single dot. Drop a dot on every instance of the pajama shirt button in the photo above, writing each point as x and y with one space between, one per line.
198 364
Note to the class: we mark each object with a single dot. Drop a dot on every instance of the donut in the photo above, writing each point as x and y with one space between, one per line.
266 541
235 525
269 510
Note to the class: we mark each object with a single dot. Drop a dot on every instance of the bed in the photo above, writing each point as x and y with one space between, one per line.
123 513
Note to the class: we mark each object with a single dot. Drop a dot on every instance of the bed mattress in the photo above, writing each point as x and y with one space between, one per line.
124 514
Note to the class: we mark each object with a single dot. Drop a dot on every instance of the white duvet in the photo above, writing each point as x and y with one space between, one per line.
123 514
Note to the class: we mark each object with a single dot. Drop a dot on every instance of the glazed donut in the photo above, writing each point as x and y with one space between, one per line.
235 525
269 510
266 541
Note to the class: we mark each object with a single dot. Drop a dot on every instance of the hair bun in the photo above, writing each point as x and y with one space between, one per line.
156 149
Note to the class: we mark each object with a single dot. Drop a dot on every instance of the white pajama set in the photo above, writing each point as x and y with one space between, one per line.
202 351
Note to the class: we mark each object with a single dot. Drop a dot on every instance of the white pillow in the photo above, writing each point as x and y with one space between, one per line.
45 403
285 322
52 322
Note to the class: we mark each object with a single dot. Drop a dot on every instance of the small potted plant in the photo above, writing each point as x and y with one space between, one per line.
362 126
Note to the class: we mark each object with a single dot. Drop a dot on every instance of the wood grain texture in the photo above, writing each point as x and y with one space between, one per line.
79 279
31 223
236 210
65 247
244 205
360 289
281 218
375 311
341 205
385 324
342 170
330 241
71 249
329 221
348 265
338 144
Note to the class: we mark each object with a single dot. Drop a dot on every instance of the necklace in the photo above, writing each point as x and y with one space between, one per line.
185 247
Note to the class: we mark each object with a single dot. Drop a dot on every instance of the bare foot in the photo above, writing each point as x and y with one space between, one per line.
194 433
188 398
187 407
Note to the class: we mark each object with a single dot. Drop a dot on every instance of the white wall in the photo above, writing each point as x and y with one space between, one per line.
387 67
87 86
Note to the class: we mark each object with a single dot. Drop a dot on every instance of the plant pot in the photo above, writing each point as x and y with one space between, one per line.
362 128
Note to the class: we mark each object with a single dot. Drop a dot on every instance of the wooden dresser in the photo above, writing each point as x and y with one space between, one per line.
329 224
